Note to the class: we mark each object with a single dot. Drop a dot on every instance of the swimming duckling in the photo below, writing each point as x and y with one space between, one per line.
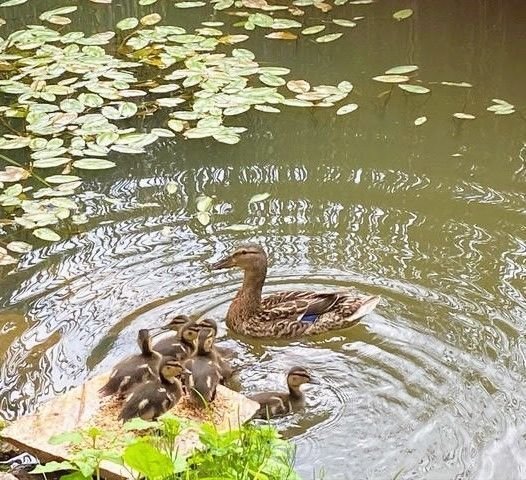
180 345
135 369
281 403
203 370
155 397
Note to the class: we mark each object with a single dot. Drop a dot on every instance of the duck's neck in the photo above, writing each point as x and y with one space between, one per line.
248 298
296 394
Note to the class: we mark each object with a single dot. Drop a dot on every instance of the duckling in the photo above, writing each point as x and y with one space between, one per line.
203 370
180 345
155 397
135 369
272 404
219 353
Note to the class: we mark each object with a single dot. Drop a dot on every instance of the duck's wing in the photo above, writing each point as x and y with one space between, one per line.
298 306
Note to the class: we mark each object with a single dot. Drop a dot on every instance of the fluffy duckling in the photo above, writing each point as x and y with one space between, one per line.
155 397
181 343
135 369
272 404
203 370
219 353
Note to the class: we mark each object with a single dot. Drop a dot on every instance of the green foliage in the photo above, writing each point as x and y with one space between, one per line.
250 453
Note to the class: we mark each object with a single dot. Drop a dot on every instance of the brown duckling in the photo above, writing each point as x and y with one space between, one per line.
219 353
204 373
155 397
181 342
272 404
135 369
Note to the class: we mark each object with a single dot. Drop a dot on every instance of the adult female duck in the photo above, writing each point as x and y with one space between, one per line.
289 313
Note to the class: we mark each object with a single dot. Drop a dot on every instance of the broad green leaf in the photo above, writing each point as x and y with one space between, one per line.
259 197
51 162
50 236
172 187
203 218
391 78
284 23
93 164
401 69
271 80
19 247
282 36
128 23
12 3
457 84
351 107
298 86
152 19
148 460
313 30
57 11
58 179
294 102
420 121
189 4
74 438
403 14
227 137
464 116
414 88
274 70
329 38
147 2
343 22
204 203
170 101
345 87
163 132
176 125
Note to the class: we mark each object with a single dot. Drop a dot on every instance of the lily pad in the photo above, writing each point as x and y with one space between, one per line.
351 107
414 88
329 38
401 69
259 197
93 164
282 36
128 23
403 14
46 234
420 121
313 30
391 78
464 116
19 247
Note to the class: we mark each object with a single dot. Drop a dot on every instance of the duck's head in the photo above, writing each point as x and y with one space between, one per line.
249 256
297 376
176 323
189 333
205 341
172 369
144 340
204 323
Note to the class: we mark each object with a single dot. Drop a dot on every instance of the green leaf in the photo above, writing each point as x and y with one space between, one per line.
12 3
351 107
401 69
148 460
329 38
19 247
420 121
128 23
152 19
403 14
147 2
140 424
51 162
457 84
93 164
414 88
464 116
204 203
343 22
73 438
267 108
271 80
52 466
391 78
172 187
59 179
259 197
50 236
203 218
189 4
57 11
313 30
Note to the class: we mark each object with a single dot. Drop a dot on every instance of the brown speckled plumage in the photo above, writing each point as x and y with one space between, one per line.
290 313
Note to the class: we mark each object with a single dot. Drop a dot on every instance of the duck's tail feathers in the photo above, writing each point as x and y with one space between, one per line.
368 305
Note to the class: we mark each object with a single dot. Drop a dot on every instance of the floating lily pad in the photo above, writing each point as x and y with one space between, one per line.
403 14
93 164
401 69
313 30
351 107
464 116
420 121
259 197
282 36
329 38
46 234
391 78
414 88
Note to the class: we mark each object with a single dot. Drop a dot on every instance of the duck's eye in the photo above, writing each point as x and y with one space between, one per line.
241 252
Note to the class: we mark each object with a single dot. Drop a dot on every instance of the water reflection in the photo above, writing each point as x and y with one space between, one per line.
431 385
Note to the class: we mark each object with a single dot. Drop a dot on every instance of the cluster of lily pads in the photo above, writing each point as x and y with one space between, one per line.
70 97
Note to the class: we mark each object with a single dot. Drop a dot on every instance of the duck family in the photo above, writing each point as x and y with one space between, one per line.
186 359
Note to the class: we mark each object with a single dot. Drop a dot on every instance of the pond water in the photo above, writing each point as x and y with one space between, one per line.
431 218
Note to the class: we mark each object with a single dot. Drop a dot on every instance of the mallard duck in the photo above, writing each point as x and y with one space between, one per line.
204 371
288 313
272 404
155 397
135 369
181 342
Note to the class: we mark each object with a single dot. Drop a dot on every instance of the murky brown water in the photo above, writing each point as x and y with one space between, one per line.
431 386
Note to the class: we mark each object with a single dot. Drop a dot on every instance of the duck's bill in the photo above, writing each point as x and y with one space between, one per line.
226 262
154 331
